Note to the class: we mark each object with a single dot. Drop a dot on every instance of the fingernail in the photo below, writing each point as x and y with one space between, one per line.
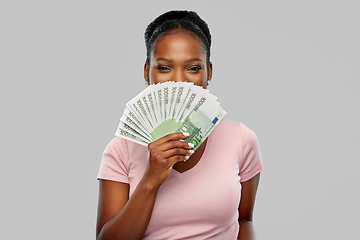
186 133
191 151
187 157
191 145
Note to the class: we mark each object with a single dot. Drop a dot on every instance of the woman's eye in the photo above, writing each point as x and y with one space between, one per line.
195 69
162 68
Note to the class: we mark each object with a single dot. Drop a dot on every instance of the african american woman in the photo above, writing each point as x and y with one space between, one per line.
151 192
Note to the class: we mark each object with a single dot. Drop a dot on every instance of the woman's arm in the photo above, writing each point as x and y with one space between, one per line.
121 217
246 206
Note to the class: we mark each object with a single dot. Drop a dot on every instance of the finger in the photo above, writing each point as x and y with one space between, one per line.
170 137
177 158
174 152
169 149
175 144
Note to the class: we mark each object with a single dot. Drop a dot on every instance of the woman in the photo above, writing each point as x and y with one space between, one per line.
152 193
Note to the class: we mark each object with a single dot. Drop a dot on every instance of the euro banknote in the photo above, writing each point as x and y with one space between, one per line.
170 107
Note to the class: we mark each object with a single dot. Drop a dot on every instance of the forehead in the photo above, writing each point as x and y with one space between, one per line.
179 43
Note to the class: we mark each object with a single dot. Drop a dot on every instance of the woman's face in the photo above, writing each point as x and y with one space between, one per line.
178 56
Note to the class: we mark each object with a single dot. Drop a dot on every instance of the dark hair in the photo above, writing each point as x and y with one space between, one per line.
176 19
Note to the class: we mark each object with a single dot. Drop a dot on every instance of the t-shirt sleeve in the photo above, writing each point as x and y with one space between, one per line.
251 161
114 161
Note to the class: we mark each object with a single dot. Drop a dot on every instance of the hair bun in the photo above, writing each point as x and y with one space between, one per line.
188 20
178 15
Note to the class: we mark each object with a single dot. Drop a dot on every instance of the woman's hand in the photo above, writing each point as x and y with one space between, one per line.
163 154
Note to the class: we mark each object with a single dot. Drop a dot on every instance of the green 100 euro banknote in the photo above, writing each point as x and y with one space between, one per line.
170 107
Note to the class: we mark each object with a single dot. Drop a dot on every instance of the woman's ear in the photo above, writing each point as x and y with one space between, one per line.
146 73
209 71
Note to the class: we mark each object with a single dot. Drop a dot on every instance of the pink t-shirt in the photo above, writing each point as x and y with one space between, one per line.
201 203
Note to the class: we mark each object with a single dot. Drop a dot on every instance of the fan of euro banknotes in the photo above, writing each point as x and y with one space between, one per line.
170 107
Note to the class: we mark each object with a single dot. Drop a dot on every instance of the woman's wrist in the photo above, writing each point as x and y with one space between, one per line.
149 184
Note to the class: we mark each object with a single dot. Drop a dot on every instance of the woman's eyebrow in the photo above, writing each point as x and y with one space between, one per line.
163 59
194 60
187 61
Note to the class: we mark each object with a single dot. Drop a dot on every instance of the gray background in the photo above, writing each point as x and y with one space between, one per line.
289 70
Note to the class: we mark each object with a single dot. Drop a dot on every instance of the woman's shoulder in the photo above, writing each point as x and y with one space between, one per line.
119 146
236 134
228 126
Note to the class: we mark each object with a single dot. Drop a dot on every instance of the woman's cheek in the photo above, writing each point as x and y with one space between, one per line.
159 78
198 79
